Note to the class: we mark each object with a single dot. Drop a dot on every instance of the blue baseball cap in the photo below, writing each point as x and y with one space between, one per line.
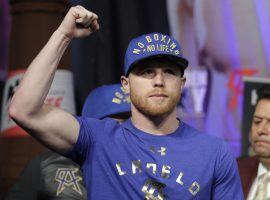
153 45
106 101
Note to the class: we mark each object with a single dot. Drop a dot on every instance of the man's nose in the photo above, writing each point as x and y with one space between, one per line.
159 79
264 128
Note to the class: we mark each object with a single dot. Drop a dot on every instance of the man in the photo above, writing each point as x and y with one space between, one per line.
153 155
52 176
254 170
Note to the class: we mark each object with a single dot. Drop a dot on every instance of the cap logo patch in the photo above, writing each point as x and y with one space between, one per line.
156 42
121 97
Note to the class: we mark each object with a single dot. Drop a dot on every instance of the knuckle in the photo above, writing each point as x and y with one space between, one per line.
73 8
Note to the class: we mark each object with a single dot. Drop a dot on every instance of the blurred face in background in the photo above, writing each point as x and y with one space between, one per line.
260 130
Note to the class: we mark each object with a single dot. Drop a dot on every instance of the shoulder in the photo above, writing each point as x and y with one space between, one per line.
96 124
208 146
201 137
96 130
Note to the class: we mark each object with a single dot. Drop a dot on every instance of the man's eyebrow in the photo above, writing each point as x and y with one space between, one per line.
255 116
263 117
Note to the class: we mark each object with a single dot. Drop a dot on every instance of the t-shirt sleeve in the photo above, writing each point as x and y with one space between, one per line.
227 183
84 142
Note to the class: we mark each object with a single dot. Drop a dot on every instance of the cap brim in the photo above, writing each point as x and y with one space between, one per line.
180 61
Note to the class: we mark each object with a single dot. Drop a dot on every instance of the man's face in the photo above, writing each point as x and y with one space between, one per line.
260 130
155 87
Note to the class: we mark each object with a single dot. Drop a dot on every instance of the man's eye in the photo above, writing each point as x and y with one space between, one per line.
169 71
147 72
256 121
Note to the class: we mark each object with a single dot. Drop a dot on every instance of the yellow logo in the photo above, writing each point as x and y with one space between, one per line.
66 177
157 42
121 97
162 150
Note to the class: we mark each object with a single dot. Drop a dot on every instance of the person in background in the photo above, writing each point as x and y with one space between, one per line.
254 171
52 176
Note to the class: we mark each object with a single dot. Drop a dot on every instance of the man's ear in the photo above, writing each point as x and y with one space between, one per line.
183 81
125 84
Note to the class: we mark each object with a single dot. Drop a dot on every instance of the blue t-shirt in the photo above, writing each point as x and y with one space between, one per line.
122 162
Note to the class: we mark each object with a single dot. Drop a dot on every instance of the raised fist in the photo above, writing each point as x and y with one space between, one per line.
79 22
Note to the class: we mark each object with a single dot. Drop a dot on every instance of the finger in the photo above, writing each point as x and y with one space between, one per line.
87 12
90 17
84 20
80 7
95 16
94 26
89 20
78 13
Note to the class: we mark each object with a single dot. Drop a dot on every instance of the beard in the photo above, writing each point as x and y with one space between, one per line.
154 108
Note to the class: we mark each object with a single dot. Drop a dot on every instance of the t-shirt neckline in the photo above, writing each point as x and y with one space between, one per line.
130 126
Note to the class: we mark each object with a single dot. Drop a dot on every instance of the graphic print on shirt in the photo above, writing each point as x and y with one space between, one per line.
66 177
154 190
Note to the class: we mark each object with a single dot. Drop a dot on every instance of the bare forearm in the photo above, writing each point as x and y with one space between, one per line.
34 87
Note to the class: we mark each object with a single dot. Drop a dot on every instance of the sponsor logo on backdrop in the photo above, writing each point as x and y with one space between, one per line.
61 95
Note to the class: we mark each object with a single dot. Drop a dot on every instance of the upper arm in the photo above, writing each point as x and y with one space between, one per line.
227 183
53 127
